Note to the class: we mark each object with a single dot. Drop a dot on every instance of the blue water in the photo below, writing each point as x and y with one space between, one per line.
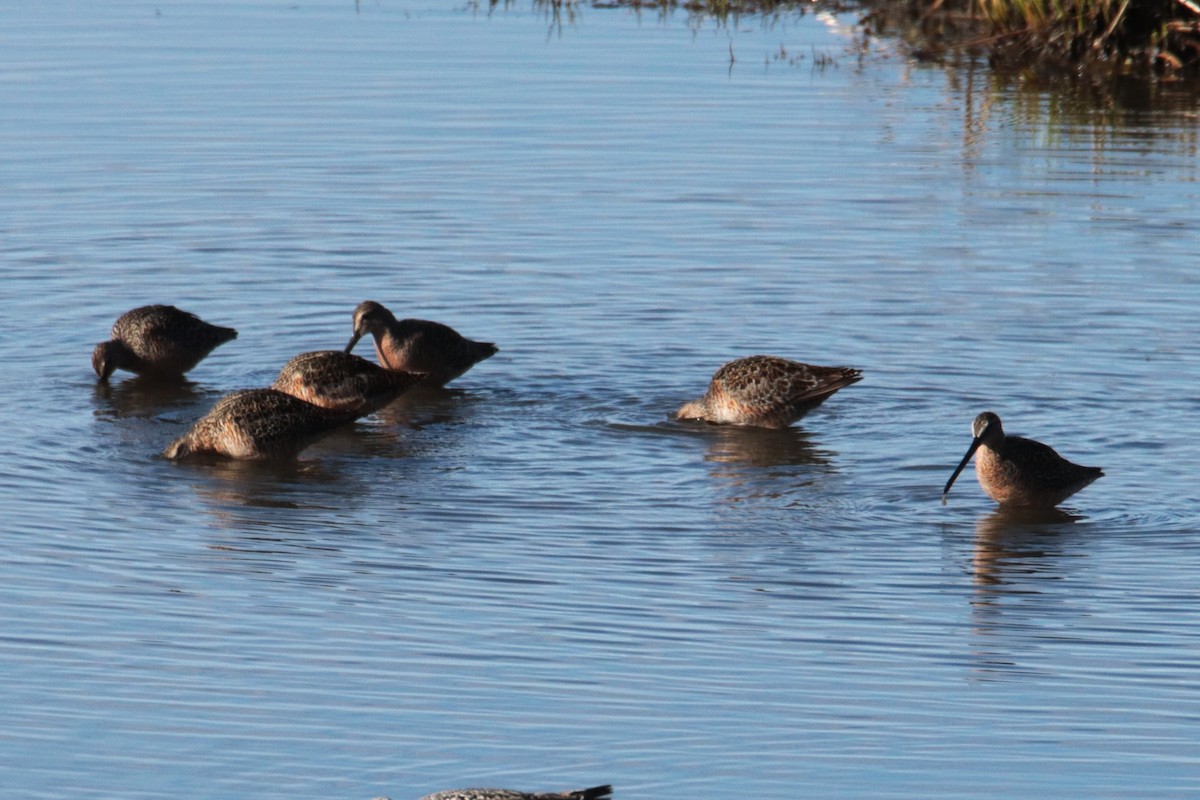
538 580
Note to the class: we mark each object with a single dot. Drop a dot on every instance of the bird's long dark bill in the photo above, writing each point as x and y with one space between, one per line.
970 452
353 341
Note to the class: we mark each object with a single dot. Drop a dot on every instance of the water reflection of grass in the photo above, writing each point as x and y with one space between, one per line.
1093 116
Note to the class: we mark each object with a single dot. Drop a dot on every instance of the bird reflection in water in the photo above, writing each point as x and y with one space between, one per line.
761 462
267 516
141 397
449 410
1012 542
762 447
1017 564
260 498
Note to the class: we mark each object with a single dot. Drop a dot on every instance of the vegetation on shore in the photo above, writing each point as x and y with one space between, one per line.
1144 38
1090 37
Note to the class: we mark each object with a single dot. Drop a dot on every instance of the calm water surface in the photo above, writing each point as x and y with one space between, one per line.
537 580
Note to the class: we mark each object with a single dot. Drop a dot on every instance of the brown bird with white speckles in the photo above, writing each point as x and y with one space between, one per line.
418 345
158 342
766 392
1015 471
257 425
343 382
594 793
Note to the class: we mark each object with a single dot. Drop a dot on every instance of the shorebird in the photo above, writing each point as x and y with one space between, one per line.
257 424
766 392
158 341
417 345
343 382
594 793
1020 472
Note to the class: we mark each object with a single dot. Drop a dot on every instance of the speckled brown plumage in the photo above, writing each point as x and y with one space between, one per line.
257 424
766 392
343 382
417 345
158 341
594 793
1020 472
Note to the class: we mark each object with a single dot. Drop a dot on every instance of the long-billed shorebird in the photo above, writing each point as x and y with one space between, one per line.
1020 472
766 392
343 382
417 345
594 793
158 341
257 424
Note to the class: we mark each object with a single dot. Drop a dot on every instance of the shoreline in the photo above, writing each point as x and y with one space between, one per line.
1092 39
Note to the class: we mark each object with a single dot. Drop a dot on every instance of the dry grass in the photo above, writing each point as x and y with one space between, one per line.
1150 38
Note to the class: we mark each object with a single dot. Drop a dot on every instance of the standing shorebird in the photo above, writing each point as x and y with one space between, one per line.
417 345
257 425
159 342
766 392
343 382
1020 472
594 793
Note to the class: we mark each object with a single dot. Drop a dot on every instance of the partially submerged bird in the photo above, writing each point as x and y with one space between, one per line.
766 392
417 345
594 793
258 424
1020 472
343 382
158 341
